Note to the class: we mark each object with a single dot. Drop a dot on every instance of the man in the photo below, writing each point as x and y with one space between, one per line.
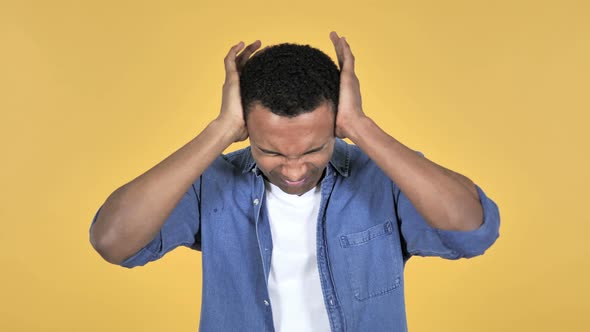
300 231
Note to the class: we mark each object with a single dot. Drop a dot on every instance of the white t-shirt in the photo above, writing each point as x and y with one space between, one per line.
294 283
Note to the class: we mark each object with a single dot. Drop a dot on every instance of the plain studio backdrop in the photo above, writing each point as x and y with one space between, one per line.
94 93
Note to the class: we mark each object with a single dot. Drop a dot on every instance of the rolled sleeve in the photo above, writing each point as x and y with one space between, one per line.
475 242
180 229
424 240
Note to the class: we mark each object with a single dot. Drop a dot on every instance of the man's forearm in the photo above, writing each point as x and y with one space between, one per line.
134 213
446 199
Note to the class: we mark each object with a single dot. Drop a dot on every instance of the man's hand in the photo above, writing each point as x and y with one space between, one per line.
350 109
231 105
133 214
447 200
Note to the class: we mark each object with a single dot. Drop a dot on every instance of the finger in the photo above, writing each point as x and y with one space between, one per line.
334 37
347 55
336 41
230 61
245 55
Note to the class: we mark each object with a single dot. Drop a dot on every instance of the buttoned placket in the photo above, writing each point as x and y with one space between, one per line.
331 300
264 238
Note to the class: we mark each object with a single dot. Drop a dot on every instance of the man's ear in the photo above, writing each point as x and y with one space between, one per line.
245 112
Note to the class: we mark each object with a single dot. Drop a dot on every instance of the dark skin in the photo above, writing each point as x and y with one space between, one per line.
292 153
133 214
446 199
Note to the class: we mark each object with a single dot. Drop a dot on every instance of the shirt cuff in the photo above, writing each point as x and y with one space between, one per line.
474 242
143 256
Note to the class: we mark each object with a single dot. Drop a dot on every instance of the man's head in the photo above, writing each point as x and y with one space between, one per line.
290 97
289 80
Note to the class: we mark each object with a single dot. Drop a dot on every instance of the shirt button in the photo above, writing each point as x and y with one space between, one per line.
331 300
266 303
256 201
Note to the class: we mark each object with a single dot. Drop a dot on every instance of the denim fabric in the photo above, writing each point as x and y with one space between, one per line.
367 229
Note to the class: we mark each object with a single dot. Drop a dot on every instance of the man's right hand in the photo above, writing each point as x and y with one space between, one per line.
232 113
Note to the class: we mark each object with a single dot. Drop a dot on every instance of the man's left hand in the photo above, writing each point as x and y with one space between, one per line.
350 109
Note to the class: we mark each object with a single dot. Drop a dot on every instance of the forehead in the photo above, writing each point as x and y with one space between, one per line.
290 136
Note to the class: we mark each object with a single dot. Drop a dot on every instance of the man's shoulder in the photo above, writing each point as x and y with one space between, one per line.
237 155
356 155
358 163
241 160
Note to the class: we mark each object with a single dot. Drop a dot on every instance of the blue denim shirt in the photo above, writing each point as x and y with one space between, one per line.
367 229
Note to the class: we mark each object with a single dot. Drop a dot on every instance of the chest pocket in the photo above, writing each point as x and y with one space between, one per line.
374 264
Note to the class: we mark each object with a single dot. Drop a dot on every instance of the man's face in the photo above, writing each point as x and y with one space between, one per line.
292 153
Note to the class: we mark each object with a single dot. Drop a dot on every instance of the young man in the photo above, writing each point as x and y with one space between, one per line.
300 231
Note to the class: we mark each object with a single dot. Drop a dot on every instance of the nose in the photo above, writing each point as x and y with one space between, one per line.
294 170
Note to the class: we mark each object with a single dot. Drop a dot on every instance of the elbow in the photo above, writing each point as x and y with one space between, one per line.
105 244
105 249
466 217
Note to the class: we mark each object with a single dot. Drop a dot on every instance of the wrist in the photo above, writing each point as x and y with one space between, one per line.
231 131
356 128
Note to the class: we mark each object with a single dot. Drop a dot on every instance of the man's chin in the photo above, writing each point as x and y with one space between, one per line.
296 190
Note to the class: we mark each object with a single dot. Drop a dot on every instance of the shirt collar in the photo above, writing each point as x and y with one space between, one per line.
340 160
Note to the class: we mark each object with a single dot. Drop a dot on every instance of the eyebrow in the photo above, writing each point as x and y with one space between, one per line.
306 152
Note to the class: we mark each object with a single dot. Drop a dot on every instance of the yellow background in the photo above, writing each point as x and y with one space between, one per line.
94 93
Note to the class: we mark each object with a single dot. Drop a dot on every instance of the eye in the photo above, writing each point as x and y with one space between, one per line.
313 151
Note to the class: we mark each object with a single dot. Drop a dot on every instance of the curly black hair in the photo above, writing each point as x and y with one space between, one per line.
289 79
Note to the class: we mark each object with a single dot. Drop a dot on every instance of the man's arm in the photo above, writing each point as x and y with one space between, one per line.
447 200
133 214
